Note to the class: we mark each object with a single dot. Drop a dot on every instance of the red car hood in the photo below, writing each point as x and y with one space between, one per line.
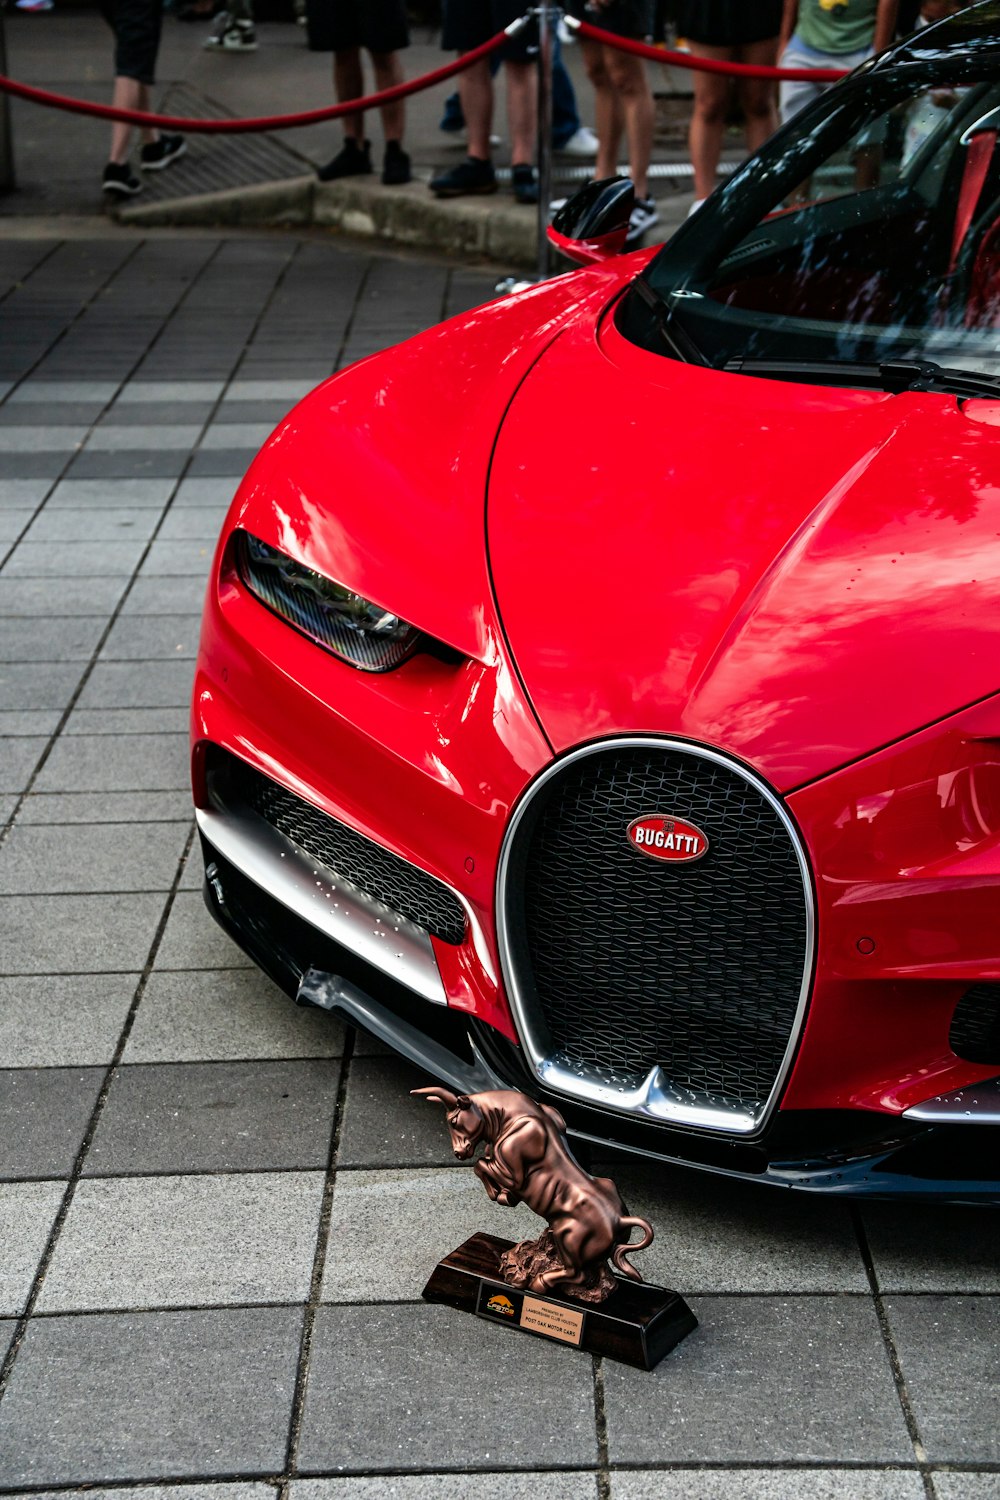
796 574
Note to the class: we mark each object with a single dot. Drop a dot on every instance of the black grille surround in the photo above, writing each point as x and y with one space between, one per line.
618 964
975 1026
348 855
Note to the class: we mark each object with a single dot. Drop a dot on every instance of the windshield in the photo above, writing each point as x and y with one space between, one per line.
867 231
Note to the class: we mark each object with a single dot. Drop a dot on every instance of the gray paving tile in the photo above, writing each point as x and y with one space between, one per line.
717 1235
45 392
221 461
113 437
165 596
964 1486
768 1484
127 494
166 413
111 1397
263 390
763 1380
126 721
75 525
216 1117
140 684
453 1393
43 1116
94 807
153 638
27 1213
145 391
77 934
138 1242
234 1490
194 523
19 493
231 435
178 559
383 1126
939 1249
6 1336
198 494
18 758
77 596
566 1486
12 523
193 940
138 463
81 559
25 439
37 722
7 806
57 639
253 411
407 1221
226 1015
61 413
947 1348
38 685
85 857
134 763
32 465
62 1020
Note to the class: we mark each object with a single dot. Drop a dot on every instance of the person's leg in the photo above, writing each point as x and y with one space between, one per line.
631 83
607 110
348 83
708 120
565 116
759 95
128 93
475 90
388 72
522 111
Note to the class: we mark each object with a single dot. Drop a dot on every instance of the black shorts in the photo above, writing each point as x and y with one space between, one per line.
631 18
136 25
341 25
469 23
729 23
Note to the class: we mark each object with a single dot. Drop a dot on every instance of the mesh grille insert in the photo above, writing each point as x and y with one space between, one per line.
629 962
975 1026
348 855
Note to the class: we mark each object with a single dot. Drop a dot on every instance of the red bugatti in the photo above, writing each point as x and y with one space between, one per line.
599 694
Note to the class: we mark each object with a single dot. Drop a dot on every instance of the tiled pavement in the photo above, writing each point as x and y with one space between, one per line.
216 1212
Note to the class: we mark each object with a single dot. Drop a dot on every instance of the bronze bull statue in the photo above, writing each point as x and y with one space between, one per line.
526 1159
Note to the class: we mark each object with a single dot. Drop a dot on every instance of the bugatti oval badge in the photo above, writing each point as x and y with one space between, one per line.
662 837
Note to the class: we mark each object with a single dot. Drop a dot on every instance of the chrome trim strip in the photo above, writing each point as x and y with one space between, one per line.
977 1104
380 936
657 1098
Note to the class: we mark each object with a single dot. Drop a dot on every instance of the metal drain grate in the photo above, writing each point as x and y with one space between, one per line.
213 163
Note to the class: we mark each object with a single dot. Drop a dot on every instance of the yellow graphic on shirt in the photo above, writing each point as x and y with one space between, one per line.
833 4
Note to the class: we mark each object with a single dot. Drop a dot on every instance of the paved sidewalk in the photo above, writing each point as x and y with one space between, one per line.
217 1211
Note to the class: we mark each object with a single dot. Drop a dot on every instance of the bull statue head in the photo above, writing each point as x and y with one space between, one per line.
465 1122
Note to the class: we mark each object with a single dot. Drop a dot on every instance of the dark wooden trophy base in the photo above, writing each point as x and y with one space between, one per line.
638 1324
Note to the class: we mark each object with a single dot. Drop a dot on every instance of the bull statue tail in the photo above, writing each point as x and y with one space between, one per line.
627 1222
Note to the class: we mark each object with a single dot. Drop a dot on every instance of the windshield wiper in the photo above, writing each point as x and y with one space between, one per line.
680 343
892 375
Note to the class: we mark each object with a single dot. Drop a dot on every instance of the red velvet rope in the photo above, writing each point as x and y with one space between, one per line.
704 64
266 122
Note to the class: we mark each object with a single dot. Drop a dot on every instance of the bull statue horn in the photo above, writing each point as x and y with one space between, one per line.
437 1096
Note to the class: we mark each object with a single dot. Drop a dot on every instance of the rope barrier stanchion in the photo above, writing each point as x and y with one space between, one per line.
703 64
545 15
266 122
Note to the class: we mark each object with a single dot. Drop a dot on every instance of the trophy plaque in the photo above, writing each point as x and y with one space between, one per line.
574 1284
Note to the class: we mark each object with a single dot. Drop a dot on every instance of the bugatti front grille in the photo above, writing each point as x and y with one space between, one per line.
975 1026
626 967
346 854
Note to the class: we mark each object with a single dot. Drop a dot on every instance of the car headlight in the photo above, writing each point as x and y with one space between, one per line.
333 616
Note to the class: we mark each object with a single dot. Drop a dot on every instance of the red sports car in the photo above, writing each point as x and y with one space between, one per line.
599 694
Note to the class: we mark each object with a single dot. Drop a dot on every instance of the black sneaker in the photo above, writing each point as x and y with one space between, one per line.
473 175
120 179
351 160
161 153
525 184
395 165
642 217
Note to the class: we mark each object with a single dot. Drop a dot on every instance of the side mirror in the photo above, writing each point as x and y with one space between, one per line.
592 225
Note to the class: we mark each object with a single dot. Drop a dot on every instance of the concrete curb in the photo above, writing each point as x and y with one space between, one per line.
492 228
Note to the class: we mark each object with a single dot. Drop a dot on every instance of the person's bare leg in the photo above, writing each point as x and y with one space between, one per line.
607 111
128 93
348 83
475 89
628 75
759 96
522 111
708 121
388 72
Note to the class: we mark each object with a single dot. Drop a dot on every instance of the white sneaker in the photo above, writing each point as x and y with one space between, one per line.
642 217
582 142
695 206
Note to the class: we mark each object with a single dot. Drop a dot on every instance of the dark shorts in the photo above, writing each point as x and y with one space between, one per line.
632 18
729 23
136 25
341 25
469 23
